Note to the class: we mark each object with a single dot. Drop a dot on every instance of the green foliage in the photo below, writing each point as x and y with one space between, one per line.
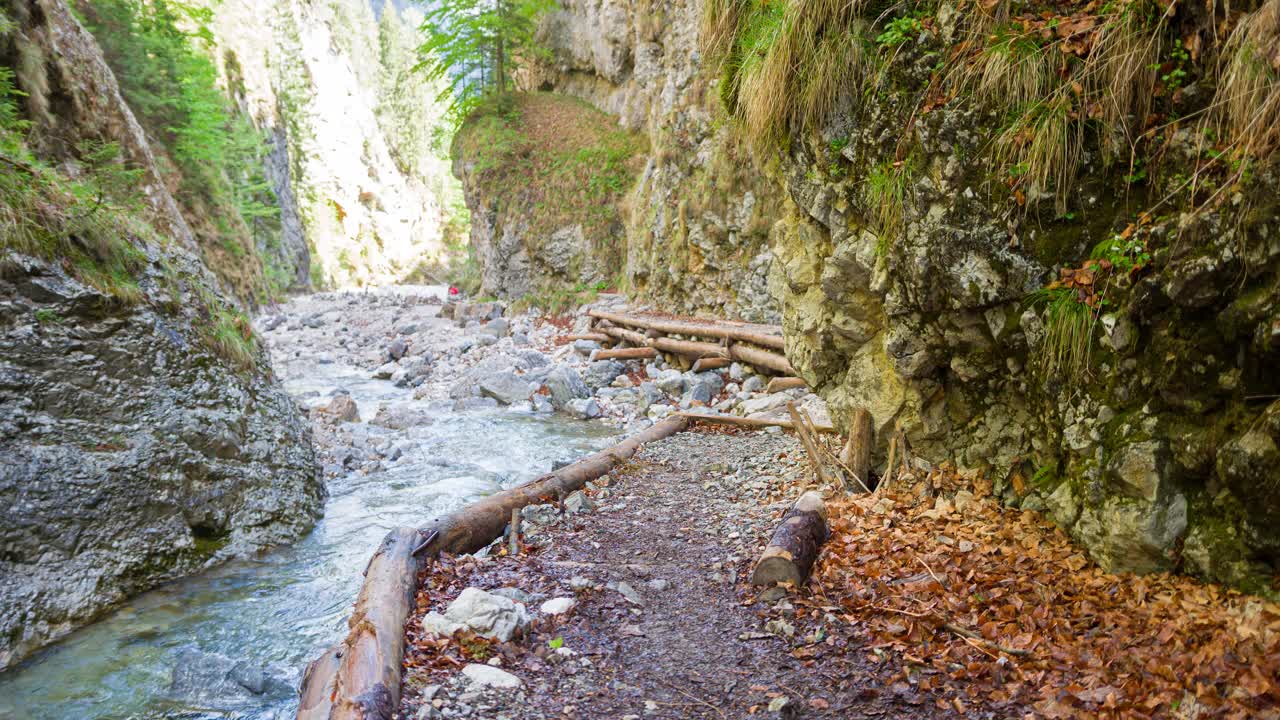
1069 326
783 64
899 30
887 188
87 224
556 644
472 47
159 51
230 335
46 316
569 160
1125 255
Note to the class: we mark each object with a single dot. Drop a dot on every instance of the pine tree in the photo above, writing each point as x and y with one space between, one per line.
473 45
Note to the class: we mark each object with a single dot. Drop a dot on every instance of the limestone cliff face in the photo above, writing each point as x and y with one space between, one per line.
700 216
1158 453
907 286
141 432
362 194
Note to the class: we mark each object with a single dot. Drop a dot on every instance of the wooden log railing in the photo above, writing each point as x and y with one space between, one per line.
732 336
761 335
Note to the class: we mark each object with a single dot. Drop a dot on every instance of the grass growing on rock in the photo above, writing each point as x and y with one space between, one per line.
571 162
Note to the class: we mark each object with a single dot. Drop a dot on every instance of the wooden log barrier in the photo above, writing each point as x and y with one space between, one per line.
749 422
795 543
598 337
359 678
711 363
762 335
761 358
691 348
636 353
779 384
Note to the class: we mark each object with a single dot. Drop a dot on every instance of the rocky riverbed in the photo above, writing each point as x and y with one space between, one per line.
413 414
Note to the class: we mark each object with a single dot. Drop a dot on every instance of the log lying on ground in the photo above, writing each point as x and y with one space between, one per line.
749 422
691 348
359 678
779 384
636 353
761 358
762 335
711 363
598 337
794 546
635 338
476 525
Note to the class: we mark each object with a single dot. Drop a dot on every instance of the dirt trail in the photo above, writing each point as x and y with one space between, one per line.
680 528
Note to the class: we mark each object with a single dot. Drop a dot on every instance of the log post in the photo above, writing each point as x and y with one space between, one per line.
779 384
750 422
513 533
795 543
711 363
636 353
856 455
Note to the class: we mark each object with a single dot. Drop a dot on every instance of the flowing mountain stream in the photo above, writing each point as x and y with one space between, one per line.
232 642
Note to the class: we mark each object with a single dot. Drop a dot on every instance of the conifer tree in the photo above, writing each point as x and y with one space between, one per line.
474 44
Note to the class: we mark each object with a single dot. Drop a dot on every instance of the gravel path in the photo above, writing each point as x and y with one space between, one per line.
664 625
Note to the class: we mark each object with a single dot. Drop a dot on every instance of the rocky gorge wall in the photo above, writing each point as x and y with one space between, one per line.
361 188
143 434
699 216
1053 320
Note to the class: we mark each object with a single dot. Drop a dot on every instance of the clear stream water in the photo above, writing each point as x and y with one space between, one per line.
169 653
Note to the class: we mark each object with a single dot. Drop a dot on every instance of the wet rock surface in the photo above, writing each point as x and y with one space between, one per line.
132 454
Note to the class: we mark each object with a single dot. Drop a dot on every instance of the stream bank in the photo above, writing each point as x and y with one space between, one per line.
231 642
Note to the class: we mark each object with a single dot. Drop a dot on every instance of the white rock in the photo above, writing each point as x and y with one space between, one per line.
485 614
488 676
557 606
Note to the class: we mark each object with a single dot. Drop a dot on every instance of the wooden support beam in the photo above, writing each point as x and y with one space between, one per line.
749 422
795 543
779 384
636 353
711 363
769 336
856 456
761 358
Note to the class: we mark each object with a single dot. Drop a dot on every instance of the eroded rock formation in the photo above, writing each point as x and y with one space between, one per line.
141 432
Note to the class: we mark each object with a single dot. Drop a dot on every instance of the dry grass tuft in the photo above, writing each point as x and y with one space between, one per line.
786 62
1248 96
